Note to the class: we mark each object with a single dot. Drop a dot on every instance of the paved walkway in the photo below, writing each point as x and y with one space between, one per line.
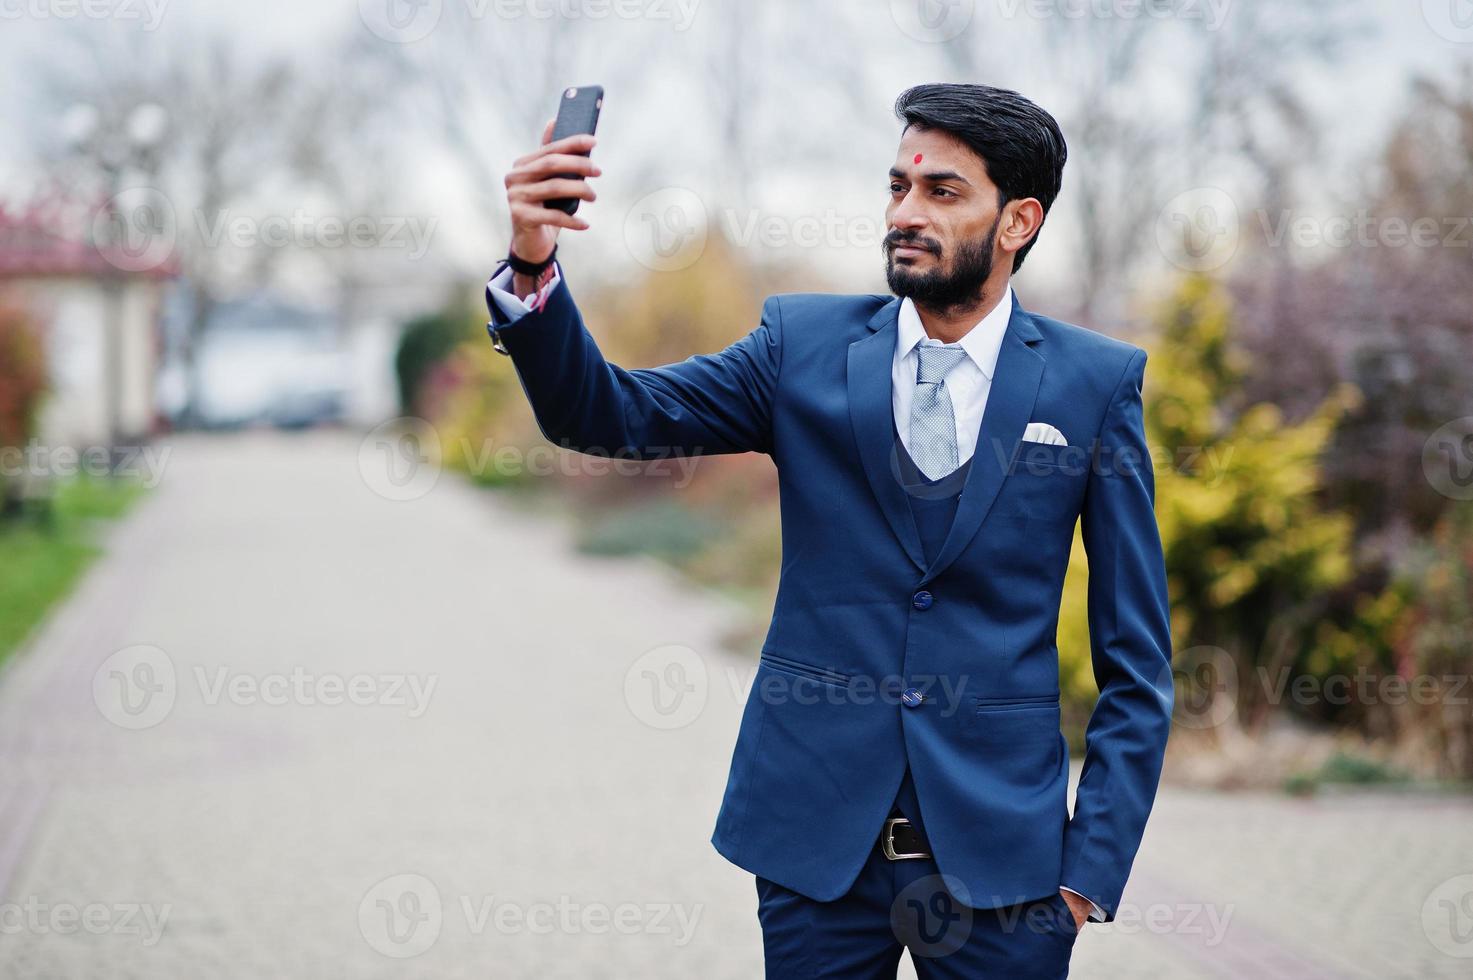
288 727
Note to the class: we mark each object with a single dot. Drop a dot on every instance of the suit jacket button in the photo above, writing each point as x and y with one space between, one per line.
912 698
922 600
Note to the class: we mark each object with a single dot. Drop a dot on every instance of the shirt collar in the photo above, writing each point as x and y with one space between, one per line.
982 343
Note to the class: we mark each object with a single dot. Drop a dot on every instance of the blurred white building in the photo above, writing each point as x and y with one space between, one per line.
100 327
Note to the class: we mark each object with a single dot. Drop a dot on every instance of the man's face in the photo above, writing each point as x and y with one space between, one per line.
942 218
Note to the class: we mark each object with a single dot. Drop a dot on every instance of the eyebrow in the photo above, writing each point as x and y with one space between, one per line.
934 176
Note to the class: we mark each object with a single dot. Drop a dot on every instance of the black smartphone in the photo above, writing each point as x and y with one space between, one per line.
577 113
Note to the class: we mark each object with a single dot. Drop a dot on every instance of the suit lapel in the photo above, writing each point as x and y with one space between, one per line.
871 412
1009 407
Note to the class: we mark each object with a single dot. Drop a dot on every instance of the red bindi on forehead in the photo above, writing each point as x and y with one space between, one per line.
919 157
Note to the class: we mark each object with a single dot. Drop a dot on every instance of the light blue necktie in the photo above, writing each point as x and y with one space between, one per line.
932 419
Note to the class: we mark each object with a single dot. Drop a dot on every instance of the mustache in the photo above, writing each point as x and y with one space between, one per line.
895 239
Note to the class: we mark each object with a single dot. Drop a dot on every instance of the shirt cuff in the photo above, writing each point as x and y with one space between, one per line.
513 307
1096 914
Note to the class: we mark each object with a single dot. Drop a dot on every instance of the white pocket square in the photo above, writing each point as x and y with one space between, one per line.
1044 433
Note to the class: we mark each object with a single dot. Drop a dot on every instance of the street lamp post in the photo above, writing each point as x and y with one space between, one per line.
116 147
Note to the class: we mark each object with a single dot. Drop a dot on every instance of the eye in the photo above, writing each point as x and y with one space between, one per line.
896 187
942 191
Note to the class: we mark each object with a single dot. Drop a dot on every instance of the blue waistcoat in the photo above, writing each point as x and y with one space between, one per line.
933 504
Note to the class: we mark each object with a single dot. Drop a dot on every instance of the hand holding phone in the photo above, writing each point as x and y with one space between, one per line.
540 184
577 115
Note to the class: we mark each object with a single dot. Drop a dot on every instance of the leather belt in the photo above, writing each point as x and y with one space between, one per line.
903 841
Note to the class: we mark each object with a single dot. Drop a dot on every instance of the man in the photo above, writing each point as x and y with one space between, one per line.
899 778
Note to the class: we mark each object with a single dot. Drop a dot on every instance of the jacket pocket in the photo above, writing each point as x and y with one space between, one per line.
796 667
1021 703
1018 722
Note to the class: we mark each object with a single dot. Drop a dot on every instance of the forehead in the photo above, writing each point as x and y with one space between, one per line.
938 147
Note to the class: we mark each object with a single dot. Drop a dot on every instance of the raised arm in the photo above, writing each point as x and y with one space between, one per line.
705 405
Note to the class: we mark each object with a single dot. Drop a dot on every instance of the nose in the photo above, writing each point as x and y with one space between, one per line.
908 217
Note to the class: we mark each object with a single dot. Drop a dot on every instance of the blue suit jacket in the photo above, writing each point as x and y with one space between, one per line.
860 616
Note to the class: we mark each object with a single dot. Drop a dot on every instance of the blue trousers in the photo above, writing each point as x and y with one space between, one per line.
896 905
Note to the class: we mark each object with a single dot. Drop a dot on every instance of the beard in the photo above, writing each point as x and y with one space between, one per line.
944 290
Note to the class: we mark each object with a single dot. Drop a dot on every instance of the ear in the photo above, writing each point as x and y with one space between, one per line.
1021 220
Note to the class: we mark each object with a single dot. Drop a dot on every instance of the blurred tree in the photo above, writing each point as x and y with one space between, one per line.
227 125
425 344
22 386
1251 552
1390 316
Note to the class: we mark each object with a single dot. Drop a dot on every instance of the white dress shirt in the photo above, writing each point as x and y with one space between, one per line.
514 306
969 383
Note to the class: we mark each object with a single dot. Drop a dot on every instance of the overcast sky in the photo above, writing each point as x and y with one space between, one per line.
1359 98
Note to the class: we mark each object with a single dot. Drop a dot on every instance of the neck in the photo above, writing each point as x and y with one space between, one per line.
951 324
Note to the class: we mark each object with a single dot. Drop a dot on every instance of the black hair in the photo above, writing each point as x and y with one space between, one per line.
1020 144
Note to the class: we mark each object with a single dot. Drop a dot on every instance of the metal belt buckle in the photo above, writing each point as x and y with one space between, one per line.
887 842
